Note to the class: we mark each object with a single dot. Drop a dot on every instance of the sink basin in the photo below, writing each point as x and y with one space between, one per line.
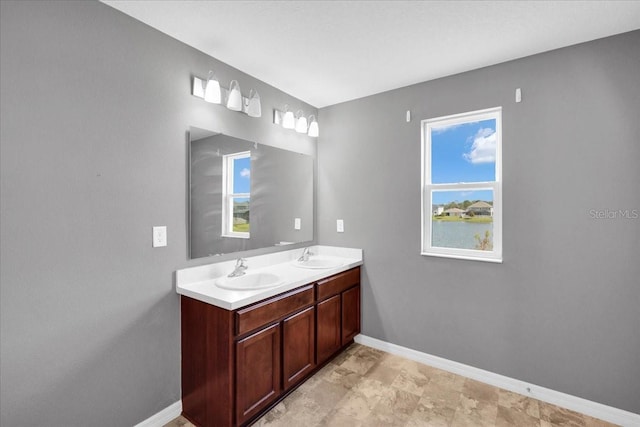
319 262
250 281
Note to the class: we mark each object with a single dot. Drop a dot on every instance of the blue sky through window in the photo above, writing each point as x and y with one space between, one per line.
464 152
242 175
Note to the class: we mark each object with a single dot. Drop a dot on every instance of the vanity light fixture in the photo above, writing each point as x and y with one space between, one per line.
253 107
314 130
299 122
211 91
234 97
288 120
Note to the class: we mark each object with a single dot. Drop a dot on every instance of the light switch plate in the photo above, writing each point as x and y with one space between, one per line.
340 226
296 224
159 236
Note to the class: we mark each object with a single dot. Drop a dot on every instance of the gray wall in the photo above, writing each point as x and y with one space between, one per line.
95 110
562 311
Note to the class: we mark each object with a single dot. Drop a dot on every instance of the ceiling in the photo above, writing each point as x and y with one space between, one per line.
327 52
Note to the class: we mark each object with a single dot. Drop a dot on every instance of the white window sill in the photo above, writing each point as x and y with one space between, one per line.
465 257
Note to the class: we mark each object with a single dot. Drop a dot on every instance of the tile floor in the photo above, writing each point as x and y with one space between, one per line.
368 387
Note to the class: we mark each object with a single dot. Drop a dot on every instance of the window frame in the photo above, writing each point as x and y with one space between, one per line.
428 187
228 196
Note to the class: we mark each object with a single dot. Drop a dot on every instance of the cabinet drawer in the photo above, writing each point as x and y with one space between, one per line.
250 318
338 283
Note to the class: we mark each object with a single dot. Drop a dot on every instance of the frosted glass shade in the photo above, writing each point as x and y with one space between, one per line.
212 91
301 122
288 121
234 99
254 109
314 130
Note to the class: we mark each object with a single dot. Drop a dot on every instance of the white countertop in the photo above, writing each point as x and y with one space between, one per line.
199 282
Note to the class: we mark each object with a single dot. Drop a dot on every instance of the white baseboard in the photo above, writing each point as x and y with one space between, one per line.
161 418
578 404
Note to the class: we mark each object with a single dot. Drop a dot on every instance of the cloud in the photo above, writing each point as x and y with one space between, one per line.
445 128
483 149
245 173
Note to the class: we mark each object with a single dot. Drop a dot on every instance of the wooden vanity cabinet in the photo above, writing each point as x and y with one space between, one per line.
329 327
236 364
350 314
338 312
257 371
298 347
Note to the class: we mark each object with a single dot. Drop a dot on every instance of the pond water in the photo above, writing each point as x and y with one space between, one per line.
458 234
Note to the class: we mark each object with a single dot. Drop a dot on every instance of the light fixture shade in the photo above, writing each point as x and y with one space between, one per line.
234 98
314 130
212 91
288 121
301 122
254 109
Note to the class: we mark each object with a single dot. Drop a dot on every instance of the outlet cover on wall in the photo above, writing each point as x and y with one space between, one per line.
296 224
159 236
340 226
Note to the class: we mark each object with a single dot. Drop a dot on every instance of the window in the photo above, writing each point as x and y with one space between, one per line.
462 186
236 194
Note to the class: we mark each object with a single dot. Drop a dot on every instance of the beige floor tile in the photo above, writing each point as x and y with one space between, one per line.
395 404
179 422
383 373
362 360
594 422
342 377
448 380
272 417
411 382
480 391
439 397
338 419
519 402
364 387
474 412
433 410
558 416
393 361
385 419
507 417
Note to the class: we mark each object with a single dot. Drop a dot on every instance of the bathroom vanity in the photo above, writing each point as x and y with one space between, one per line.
244 351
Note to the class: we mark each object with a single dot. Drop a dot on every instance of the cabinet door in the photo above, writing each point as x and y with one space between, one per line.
298 354
329 336
350 314
257 372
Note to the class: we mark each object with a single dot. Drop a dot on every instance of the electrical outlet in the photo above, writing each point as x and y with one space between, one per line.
159 236
340 226
296 224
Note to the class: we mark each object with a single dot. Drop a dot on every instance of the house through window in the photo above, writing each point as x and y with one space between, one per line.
462 186
236 195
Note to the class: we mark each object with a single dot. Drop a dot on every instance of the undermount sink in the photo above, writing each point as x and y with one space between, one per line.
319 262
250 281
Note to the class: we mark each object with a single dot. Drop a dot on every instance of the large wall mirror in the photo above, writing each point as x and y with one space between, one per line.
245 195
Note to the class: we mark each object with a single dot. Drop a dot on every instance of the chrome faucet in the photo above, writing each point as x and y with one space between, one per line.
240 268
305 255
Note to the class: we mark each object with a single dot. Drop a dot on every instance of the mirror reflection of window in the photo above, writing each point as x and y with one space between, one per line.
236 195
280 189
